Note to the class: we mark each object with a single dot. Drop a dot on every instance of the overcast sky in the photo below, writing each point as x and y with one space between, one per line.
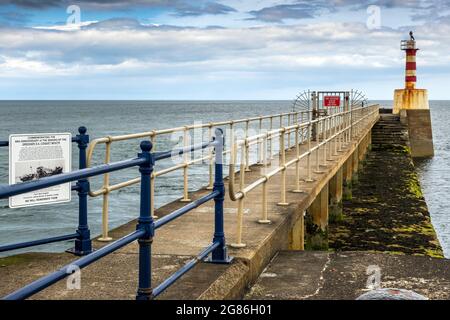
227 49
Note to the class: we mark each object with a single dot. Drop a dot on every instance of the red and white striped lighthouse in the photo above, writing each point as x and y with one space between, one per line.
410 76
412 105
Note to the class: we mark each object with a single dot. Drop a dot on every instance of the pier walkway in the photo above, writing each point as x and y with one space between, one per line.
252 242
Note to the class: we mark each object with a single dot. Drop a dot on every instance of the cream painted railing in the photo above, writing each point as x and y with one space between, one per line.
333 133
263 123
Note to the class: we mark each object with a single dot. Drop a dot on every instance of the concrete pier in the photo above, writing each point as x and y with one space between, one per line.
387 212
315 219
188 235
336 186
344 275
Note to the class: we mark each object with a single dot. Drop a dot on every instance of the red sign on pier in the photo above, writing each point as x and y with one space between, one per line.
331 101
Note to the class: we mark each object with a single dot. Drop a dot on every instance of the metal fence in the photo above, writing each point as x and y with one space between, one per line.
331 134
146 226
268 122
82 236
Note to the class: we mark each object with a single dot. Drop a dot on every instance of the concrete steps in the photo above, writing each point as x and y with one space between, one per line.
389 131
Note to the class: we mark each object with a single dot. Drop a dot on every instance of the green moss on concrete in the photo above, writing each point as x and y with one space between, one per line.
335 212
355 179
315 237
414 186
347 190
387 211
12 260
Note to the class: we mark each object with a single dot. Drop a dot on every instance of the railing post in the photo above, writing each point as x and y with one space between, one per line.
283 201
315 114
319 131
186 142
259 144
271 141
297 164
308 158
145 222
220 254
240 209
105 208
326 134
265 218
211 164
83 244
247 149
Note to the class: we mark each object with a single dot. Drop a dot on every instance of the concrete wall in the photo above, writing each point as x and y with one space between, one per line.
410 99
420 133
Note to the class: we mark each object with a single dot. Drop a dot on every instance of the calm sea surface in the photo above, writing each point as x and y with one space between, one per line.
104 118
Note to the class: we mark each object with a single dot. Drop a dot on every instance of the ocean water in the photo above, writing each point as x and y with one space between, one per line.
104 118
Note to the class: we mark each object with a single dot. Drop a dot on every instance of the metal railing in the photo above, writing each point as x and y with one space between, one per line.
82 236
268 122
146 226
332 133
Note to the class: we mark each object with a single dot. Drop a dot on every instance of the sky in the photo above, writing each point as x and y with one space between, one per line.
217 49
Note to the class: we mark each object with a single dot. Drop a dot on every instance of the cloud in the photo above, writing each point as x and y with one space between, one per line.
14 18
201 8
123 51
178 7
108 46
32 4
300 10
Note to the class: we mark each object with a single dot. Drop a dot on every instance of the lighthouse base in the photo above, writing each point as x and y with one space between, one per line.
410 99
414 110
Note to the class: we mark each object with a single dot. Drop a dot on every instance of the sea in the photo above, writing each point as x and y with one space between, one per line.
104 118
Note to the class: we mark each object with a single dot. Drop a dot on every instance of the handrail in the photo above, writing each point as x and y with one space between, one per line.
21 188
5 143
332 133
83 243
146 226
106 189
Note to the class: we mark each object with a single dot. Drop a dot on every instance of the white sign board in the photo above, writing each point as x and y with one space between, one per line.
35 156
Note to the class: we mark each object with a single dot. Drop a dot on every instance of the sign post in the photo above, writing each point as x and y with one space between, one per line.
36 156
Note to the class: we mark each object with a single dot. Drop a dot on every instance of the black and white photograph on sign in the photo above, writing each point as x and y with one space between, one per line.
38 156
40 169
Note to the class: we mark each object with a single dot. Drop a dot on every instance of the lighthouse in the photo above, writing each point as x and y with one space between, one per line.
409 46
410 97
412 105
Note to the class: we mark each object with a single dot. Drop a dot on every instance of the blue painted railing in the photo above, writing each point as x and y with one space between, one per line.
145 230
82 236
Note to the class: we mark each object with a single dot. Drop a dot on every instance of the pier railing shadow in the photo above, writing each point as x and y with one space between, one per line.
146 226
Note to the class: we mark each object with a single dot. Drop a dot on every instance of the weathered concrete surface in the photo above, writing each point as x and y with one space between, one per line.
405 99
387 211
420 133
115 277
298 275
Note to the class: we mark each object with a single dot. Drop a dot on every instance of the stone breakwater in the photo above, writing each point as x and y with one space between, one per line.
387 211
